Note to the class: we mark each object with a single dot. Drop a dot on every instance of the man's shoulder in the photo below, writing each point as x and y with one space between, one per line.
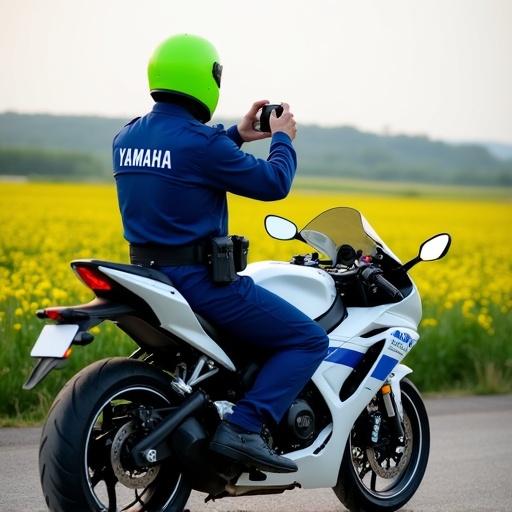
125 128
207 134
219 136
210 130
217 129
135 119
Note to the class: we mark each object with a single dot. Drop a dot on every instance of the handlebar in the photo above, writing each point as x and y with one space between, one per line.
373 275
387 287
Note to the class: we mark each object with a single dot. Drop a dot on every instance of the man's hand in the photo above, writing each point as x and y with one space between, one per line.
245 126
284 123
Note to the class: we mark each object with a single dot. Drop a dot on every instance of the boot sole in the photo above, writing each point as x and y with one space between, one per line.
244 457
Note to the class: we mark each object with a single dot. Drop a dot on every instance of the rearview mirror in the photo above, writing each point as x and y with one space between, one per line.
435 248
280 228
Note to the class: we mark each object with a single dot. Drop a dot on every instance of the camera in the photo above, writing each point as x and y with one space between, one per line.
263 125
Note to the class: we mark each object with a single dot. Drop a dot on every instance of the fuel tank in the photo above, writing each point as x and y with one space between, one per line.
311 290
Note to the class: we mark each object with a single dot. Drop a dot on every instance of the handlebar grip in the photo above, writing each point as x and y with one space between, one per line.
381 282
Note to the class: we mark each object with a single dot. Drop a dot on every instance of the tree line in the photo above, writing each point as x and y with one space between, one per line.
79 146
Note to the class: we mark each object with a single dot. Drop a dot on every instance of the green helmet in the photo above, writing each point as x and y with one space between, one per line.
186 65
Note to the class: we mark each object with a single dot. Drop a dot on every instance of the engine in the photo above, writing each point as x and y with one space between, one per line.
300 422
305 418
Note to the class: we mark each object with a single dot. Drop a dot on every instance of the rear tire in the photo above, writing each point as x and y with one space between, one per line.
354 491
75 451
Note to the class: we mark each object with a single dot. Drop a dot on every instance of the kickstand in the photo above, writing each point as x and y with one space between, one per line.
212 497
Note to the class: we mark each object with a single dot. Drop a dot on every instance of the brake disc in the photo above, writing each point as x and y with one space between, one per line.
131 478
403 456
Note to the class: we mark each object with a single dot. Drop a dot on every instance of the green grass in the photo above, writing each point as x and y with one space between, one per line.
459 356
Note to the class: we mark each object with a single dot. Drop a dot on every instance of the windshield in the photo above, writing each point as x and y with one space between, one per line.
343 226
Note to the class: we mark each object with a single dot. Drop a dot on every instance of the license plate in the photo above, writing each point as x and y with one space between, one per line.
54 340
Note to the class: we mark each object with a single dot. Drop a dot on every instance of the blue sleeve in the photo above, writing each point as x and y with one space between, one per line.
228 168
232 133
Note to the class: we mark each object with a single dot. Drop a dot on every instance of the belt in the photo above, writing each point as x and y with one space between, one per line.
166 255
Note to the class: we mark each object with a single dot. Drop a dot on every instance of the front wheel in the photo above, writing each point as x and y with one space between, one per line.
83 459
384 478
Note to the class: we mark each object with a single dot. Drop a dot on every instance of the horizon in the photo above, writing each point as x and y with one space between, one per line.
385 132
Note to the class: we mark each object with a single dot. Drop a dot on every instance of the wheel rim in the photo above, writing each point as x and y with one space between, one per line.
105 488
399 476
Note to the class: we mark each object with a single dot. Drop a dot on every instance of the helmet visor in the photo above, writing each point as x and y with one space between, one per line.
217 73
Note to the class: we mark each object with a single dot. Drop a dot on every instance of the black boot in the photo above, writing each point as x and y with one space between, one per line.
250 449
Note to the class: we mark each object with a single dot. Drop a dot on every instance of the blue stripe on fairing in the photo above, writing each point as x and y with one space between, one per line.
343 356
384 367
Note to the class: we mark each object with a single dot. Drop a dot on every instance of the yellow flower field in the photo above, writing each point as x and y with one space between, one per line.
467 296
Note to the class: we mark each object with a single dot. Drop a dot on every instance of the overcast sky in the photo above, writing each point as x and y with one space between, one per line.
436 67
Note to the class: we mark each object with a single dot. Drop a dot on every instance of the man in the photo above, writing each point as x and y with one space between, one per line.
172 173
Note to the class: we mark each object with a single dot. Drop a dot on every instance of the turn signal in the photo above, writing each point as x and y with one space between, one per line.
386 389
52 314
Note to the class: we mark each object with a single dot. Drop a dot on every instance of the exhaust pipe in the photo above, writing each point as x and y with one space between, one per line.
152 448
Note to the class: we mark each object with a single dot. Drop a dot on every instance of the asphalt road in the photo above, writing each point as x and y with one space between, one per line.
470 467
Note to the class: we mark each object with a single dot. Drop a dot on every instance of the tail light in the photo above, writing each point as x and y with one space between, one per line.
93 278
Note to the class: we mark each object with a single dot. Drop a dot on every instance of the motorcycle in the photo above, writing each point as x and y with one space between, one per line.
133 433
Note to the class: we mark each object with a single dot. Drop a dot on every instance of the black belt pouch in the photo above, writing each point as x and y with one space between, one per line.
222 260
240 251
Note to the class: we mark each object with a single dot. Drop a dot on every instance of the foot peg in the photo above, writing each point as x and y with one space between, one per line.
256 475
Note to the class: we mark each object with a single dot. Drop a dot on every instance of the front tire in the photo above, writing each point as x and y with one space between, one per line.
365 486
80 461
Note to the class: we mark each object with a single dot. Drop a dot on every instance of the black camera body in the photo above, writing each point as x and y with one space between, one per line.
263 125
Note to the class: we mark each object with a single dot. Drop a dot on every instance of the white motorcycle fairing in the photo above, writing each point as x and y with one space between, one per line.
396 324
173 312
319 463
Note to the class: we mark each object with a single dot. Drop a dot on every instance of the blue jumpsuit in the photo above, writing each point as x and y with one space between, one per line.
172 174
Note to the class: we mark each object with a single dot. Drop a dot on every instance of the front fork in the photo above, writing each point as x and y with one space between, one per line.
392 409
392 399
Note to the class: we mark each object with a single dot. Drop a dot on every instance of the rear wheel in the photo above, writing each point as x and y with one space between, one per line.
89 431
383 479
